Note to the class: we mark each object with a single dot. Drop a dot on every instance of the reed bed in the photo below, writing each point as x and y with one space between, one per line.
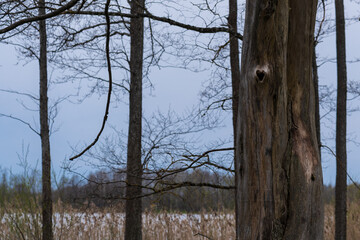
105 224
93 224
353 221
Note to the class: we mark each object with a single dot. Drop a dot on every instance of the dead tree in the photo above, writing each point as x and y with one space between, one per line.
279 188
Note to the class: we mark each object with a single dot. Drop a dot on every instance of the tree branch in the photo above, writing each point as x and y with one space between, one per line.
41 17
20 120
110 82
338 160
162 19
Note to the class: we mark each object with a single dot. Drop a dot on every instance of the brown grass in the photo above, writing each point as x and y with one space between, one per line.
93 224
353 221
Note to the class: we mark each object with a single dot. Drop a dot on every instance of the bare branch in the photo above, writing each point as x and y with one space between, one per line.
110 82
20 93
20 120
162 19
338 160
40 17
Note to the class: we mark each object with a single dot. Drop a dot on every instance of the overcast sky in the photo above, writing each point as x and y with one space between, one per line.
179 89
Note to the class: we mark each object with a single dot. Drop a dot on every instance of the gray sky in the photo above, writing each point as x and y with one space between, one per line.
178 89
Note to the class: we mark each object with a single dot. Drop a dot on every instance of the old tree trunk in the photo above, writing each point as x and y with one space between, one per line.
279 184
133 221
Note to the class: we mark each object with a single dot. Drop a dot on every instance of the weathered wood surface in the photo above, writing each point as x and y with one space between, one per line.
279 183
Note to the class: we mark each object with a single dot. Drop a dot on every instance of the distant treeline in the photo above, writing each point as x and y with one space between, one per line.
107 189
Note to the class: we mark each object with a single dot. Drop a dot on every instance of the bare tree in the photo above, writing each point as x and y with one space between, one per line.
44 131
18 20
235 81
133 218
280 177
341 163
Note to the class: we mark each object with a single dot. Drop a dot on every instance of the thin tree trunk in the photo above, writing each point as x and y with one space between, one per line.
341 163
44 132
133 222
280 177
234 61
317 102
235 80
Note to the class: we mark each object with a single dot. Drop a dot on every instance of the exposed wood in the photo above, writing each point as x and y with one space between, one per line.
280 177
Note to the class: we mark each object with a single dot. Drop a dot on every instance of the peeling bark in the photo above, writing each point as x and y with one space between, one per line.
280 177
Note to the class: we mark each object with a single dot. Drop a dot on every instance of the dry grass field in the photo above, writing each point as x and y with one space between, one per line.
353 222
104 224
108 224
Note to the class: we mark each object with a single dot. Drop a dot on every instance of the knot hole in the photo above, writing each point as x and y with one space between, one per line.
260 74
312 177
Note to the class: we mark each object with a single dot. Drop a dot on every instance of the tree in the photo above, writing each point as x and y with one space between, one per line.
21 11
67 37
133 218
235 80
44 131
341 156
279 188
315 75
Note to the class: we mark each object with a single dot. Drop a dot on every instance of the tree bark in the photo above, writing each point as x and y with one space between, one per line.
235 80
133 222
47 233
341 156
317 101
280 177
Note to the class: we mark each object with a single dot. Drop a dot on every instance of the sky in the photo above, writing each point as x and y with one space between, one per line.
173 88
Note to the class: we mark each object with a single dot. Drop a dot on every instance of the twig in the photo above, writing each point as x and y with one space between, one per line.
20 93
200 234
20 120
341 164
321 23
